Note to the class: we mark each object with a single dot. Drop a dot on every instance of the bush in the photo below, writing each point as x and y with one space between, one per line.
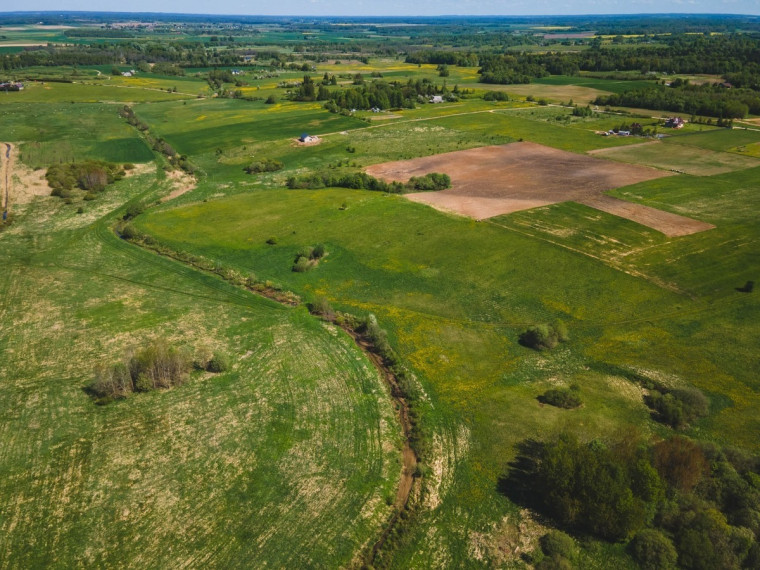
133 210
129 232
680 462
302 264
429 182
652 550
318 252
678 407
272 240
495 96
556 542
561 398
219 362
271 100
160 364
321 306
264 165
544 336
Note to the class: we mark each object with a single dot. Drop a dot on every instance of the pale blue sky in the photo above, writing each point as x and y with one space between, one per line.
403 7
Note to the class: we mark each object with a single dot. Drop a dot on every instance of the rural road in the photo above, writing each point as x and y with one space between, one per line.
7 177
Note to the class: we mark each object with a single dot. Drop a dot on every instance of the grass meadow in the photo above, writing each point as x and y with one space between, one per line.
64 132
221 471
300 433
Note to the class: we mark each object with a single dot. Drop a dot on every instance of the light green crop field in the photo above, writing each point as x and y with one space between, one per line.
63 132
51 92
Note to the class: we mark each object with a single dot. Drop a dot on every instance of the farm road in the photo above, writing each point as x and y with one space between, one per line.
418 120
6 168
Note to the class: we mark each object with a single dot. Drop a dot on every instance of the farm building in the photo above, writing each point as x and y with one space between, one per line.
436 99
675 123
307 138
10 86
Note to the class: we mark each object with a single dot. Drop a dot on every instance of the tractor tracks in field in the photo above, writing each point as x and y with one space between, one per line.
242 297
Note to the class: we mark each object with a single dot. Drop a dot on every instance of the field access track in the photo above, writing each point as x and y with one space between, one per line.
495 180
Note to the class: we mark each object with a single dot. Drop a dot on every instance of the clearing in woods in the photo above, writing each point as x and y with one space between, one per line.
495 180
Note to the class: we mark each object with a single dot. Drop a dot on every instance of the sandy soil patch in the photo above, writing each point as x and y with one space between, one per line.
495 180
313 142
23 183
181 182
384 117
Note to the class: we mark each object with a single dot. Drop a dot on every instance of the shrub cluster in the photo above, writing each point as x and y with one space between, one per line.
158 144
264 165
356 181
544 336
567 398
677 407
430 181
495 96
91 176
308 257
156 365
362 181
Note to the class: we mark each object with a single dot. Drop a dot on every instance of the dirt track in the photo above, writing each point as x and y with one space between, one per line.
495 180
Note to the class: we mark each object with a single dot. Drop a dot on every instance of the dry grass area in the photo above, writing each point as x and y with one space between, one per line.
683 158
495 180
181 182
577 93
23 182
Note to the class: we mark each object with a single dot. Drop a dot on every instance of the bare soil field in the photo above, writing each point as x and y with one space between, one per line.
495 180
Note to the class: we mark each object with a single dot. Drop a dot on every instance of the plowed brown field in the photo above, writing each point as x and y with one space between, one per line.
495 180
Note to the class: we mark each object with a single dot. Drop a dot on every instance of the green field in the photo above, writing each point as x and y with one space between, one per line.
689 159
65 132
610 85
299 430
292 458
